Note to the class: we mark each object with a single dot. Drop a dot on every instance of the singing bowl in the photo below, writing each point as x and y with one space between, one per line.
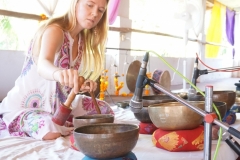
221 107
106 140
221 96
143 115
123 104
92 119
176 116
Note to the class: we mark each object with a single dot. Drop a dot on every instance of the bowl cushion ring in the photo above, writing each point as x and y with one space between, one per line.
147 128
179 140
129 156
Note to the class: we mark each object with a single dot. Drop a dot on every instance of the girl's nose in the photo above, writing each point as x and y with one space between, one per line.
94 12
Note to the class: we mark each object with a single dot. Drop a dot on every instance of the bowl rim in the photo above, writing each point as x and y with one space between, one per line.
106 124
94 116
219 92
175 102
196 102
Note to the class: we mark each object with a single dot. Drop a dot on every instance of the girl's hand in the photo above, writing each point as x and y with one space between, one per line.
88 86
68 78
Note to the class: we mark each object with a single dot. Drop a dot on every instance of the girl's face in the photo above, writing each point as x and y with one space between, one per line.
89 12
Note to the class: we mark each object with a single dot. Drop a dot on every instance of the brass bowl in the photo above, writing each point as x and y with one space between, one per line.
106 140
222 108
154 99
143 115
176 116
220 96
92 119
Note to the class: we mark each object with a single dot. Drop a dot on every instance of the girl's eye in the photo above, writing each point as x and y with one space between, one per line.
101 10
90 4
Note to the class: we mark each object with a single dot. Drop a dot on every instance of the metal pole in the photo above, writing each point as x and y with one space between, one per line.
208 126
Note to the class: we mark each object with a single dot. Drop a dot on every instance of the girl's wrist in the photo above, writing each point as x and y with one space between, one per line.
53 74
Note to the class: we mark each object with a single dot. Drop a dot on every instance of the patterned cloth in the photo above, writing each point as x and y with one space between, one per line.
37 123
179 140
147 128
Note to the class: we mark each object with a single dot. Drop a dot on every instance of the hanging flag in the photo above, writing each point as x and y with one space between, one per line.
214 33
113 7
230 23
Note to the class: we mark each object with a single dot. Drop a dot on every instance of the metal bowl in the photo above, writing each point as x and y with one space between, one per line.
124 104
154 99
92 119
222 108
176 116
220 96
106 140
143 115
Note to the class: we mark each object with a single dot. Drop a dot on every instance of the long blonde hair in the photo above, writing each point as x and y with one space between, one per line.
94 40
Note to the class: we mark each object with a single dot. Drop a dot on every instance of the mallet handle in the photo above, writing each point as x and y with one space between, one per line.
72 95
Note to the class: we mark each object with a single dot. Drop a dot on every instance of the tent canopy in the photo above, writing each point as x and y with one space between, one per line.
34 7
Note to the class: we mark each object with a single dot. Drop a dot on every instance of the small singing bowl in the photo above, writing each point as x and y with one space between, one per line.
143 115
92 119
106 140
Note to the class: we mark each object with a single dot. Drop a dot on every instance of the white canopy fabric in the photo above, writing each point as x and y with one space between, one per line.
37 7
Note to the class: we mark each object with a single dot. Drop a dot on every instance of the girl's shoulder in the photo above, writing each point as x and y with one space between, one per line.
55 29
53 34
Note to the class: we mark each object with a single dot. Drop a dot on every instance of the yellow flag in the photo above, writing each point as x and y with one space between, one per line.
214 33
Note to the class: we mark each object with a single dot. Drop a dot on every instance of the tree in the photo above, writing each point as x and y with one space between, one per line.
8 38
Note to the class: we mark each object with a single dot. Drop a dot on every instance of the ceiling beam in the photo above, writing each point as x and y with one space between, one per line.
127 30
22 15
209 4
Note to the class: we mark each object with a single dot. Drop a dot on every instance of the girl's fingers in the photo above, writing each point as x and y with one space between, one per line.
66 78
71 78
91 86
76 82
61 77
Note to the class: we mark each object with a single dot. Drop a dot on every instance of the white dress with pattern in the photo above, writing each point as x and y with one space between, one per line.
32 92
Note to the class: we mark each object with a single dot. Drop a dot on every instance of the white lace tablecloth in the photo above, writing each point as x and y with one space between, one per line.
18 148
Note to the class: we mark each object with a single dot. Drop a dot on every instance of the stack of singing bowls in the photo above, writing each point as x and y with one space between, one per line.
180 128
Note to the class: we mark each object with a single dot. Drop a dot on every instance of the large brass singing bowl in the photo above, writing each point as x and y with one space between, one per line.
92 119
175 116
106 140
220 96
143 115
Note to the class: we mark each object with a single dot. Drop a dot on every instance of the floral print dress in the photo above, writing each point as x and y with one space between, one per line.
30 104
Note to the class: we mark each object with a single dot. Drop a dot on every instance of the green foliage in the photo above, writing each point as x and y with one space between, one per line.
8 38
